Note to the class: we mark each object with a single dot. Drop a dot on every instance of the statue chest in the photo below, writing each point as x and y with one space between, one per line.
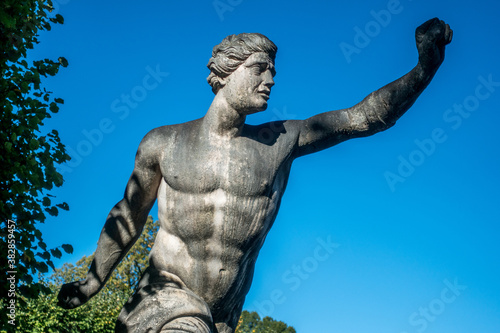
239 169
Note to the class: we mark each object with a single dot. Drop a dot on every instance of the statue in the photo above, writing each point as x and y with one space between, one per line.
219 183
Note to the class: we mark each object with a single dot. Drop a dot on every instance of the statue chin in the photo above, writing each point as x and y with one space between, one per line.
257 109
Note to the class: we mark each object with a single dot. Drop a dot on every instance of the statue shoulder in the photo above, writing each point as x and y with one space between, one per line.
155 137
163 137
285 131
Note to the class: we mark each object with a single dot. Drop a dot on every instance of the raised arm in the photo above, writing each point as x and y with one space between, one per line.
123 227
379 110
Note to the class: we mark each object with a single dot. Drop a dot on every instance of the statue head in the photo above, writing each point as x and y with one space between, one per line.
232 52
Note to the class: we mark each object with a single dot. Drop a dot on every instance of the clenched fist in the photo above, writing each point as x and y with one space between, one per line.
431 38
74 294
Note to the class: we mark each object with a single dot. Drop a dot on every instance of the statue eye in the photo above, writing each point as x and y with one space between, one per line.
260 68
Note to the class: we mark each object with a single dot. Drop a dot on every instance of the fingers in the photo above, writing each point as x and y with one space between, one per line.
65 302
64 298
70 296
69 302
435 30
443 33
448 35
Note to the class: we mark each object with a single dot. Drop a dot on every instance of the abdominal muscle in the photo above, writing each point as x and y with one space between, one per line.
211 240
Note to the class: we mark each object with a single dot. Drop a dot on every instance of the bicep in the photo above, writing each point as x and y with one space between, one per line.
327 129
140 193
322 131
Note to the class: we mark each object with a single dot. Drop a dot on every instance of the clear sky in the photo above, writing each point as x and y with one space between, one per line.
398 232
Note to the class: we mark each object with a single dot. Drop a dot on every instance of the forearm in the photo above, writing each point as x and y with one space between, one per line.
120 232
382 108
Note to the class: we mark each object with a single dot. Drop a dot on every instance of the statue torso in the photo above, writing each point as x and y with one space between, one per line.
217 201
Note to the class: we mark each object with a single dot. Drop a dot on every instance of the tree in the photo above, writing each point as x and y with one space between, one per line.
28 156
250 322
100 313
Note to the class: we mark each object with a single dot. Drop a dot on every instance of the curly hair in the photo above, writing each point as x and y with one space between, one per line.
232 52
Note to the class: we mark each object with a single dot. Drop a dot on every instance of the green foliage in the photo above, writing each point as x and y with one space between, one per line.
100 313
43 315
28 158
250 322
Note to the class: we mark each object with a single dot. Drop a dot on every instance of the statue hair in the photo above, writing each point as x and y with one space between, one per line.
232 52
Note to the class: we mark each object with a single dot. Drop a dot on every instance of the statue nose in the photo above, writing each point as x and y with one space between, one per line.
269 81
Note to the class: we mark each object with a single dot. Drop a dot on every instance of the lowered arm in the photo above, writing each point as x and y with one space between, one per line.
123 227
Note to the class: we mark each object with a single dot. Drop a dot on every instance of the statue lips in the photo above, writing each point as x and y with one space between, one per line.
265 93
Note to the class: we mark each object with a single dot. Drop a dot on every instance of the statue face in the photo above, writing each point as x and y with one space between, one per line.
247 89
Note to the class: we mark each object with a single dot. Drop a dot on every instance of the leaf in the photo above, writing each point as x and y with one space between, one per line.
63 206
42 245
45 255
51 264
63 61
42 267
52 211
59 100
53 107
59 18
46 201
52 69
24 87
46 26
67 248
34 144
58 182
56 253
38 234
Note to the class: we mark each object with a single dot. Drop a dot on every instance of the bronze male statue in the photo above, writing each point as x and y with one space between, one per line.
219 183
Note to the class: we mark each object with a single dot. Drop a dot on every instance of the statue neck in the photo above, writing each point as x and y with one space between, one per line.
222 119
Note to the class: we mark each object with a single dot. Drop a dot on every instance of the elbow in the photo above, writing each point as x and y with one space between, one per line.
371 128
369 121
381 115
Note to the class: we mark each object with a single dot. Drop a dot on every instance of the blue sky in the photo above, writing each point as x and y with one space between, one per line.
397 232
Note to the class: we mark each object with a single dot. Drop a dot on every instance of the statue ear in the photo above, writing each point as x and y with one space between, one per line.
222 81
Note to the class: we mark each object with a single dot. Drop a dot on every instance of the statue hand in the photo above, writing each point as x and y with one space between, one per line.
432 37
74 294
